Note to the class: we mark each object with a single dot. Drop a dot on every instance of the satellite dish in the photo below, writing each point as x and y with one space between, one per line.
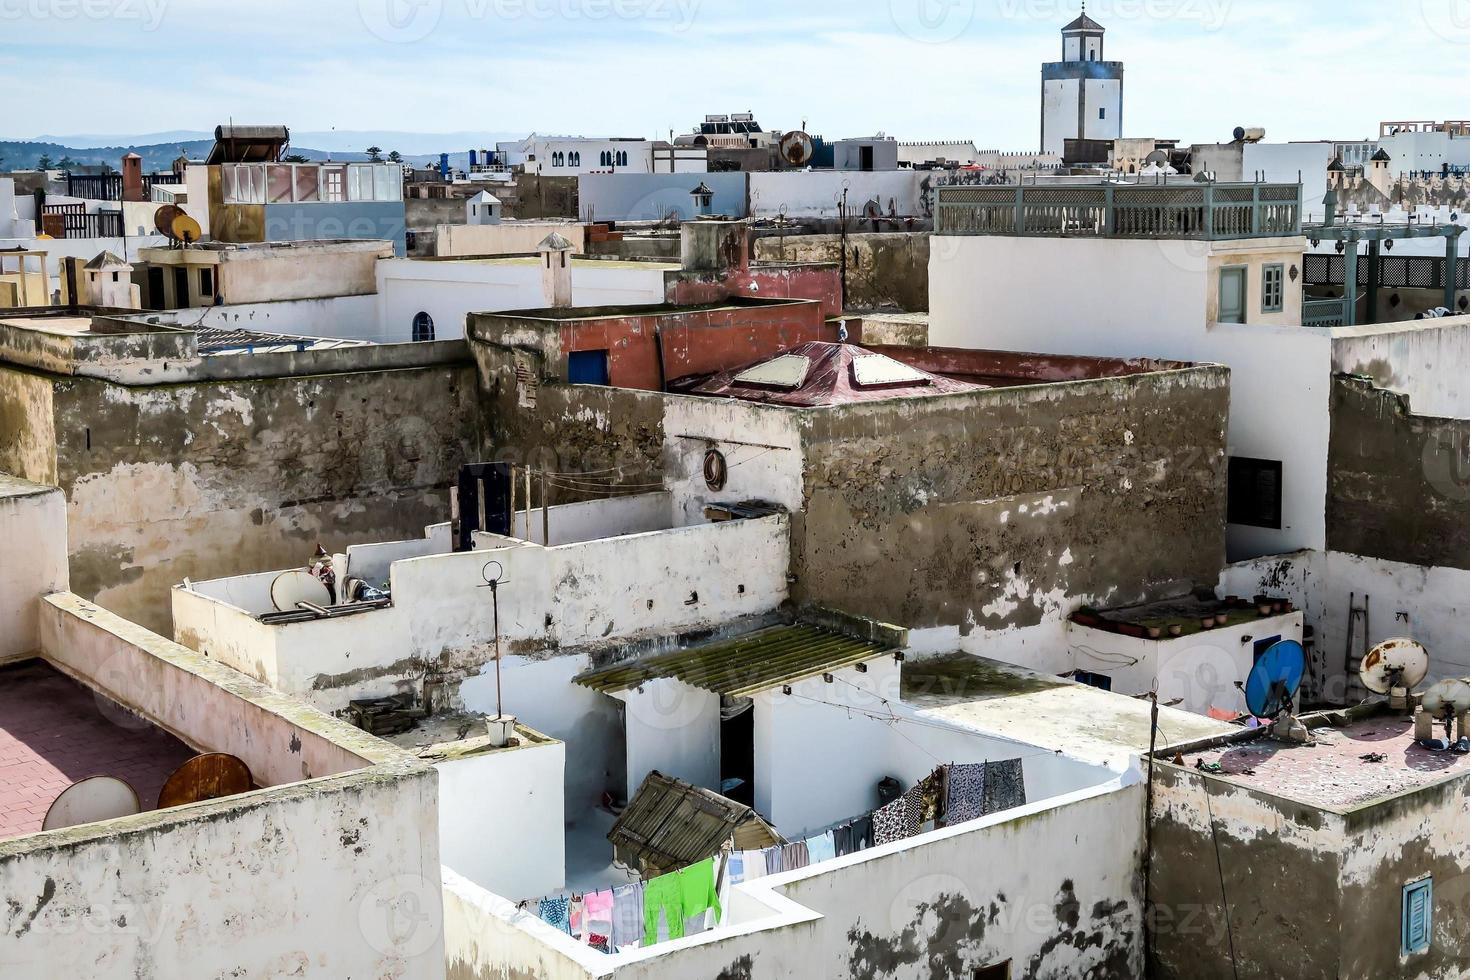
205 777
872 210
797 148
289 589
163 219
1394 663
186 230
90 800
1275 679
1447 698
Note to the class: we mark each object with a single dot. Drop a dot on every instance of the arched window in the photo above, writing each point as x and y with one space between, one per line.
622 158
577 159
423 327
603 160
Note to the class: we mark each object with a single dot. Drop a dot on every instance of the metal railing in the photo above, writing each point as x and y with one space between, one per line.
1213 212
77 223
1325 312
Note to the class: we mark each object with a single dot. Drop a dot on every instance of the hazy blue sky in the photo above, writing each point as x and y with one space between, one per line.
914 69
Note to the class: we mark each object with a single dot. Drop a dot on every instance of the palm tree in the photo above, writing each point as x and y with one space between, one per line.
375 154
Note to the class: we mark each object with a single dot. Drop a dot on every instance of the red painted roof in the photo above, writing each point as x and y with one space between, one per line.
832 379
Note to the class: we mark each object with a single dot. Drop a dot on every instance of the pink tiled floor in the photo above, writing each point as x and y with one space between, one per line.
54 731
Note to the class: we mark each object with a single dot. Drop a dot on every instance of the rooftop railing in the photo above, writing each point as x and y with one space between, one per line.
1212 212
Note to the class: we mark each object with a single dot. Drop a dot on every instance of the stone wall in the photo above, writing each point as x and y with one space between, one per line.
1397 482
209 479
1006 508
885 271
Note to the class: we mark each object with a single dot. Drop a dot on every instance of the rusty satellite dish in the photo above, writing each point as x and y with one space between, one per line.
205 777
797 148
1400 663
92 799
296 586
174 223
1451 697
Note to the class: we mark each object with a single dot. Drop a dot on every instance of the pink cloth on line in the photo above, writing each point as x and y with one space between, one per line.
599 905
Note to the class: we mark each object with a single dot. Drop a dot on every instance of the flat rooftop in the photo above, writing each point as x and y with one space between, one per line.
55 731
1334 774
1012 702
460 735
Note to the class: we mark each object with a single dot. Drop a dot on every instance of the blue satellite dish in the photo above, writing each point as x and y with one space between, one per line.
1275 678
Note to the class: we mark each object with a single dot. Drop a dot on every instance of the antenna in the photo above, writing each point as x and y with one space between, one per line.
1273 684
502 726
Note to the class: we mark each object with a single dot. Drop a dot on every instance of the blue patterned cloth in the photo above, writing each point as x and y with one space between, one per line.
556 912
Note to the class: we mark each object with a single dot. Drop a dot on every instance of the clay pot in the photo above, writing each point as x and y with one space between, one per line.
1176 630
1264 609
1207 622
1154 632
1222 619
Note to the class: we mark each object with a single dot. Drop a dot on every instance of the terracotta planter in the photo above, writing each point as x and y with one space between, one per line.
1264 610
1154 632
1222 619
1176 630
1207 622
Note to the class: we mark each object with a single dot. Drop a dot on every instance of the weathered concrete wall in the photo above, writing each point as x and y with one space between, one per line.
1420 359
885 271
1007 508
506 238
1275 862
208 480
33 543
27 426
1397 481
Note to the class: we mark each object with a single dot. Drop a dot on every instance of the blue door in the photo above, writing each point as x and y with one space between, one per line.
587 367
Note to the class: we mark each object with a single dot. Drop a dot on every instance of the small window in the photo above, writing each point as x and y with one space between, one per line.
1418 916
1255 492
423 327
1273 288
1100 681
588 367
1102 113
996 971
206 283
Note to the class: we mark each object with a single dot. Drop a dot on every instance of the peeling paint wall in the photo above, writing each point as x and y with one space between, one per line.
885 270
1008 508
1419 359
33 532
212 479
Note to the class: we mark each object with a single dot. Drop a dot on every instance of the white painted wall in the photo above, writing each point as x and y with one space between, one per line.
1421 358
592 519
1201 669
508 237
818 193
797 924
1002 293
1288 163
674 728
337 317
502 819
762 450
33 529
450 290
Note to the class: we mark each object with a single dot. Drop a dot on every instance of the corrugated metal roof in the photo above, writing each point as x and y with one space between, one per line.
670 824
739 668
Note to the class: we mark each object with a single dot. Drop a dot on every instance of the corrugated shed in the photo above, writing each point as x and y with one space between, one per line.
670 824
739 668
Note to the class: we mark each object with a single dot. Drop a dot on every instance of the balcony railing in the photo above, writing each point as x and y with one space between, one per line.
77 223
1212 212
1325 312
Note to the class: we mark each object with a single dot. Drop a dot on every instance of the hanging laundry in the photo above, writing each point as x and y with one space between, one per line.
599 942
862 833
775 859
662 904
821 848
556 912
842 840
576 911
697 895
913 802
1005 785
794 856
627 928
598 908
890 823
929 795
735 867
966 797
754 863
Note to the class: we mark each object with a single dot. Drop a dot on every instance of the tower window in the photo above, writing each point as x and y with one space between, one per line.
1102 113
423 328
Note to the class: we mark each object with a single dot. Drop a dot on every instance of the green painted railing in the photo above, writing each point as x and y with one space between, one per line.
1324 312
1213 212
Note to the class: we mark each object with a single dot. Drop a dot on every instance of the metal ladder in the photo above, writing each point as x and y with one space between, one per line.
1358 625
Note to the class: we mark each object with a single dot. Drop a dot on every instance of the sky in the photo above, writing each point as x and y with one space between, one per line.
914 69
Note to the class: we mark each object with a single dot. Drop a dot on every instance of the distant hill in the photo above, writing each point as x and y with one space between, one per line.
159 150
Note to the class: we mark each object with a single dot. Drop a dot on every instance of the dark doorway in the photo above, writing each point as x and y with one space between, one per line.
483 498
155 287
865 159
181 286
737 750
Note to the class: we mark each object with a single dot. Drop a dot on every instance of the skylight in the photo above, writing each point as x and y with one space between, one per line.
787 371
878 370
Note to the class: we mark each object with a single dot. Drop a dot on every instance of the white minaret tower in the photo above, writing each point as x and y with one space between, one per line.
1081 95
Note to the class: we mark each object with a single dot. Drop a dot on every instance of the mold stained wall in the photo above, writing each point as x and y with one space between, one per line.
1311 891
1001 511
942 906
886 270
214 479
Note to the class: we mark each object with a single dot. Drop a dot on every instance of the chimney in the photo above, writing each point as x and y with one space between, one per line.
556 271
132 178
715 246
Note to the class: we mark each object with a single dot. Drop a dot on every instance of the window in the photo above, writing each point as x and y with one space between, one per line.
334 184
996 971
1254 492
206 284
1418 916
1100 681
587 367
1102 113
1273 288
423 327
1232 295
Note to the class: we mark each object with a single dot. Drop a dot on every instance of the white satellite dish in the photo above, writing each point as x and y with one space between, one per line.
297 586
90 800
1400 663
1447 698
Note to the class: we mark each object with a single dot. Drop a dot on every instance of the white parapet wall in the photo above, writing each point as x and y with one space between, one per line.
33 532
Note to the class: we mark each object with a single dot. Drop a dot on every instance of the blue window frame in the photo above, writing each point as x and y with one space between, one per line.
1418 916
1273 288
1100 681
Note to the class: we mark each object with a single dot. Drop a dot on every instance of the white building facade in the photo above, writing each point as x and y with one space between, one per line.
1081 95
